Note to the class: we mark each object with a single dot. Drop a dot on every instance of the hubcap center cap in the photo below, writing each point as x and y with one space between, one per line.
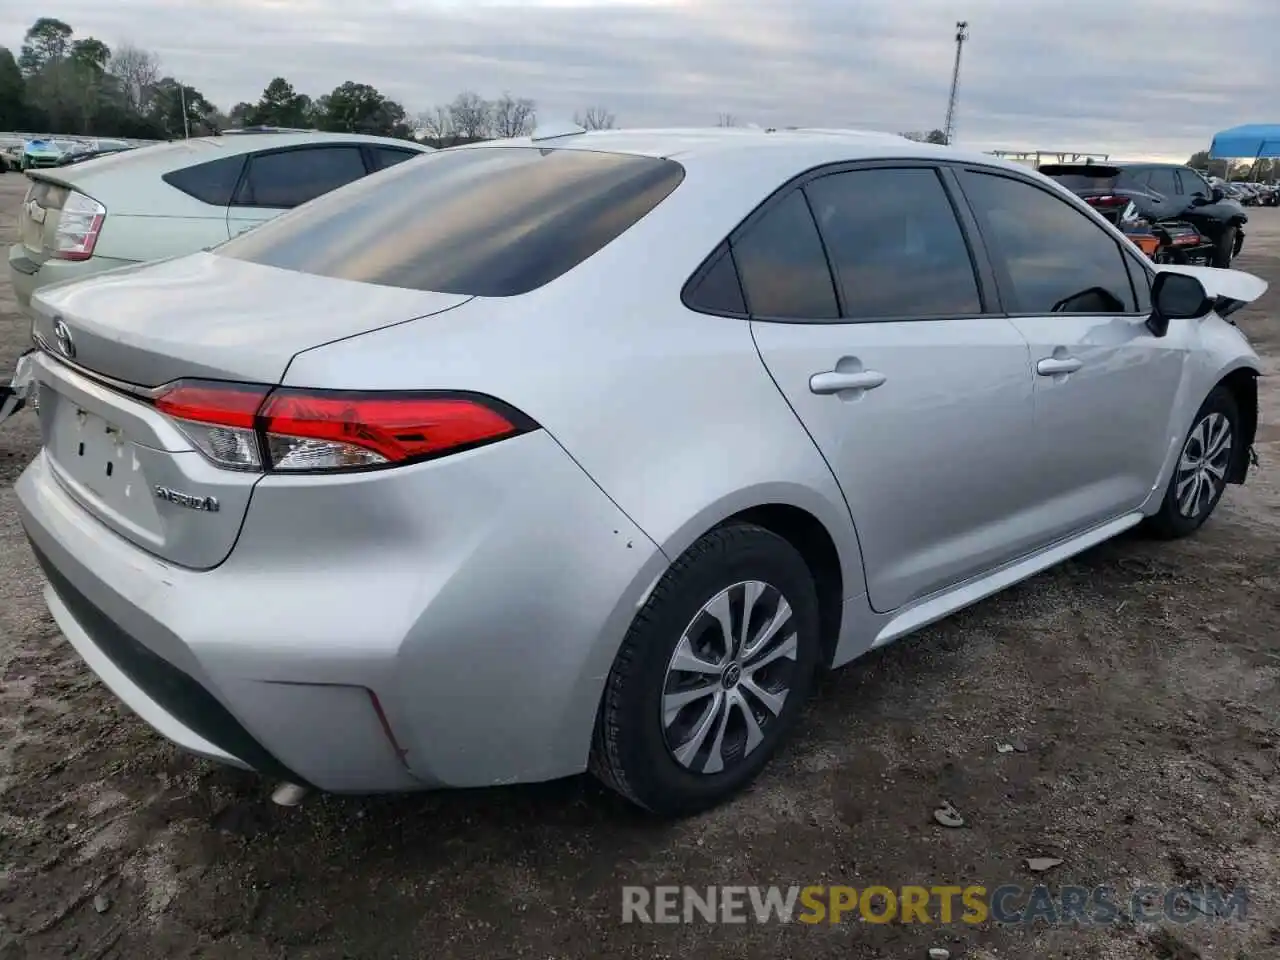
732 674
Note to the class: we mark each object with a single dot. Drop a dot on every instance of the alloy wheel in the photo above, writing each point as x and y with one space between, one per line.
729 677
1202 466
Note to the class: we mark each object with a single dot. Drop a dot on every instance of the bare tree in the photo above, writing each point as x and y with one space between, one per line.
471 116
512 117
727 120
435 124
595 118
137 70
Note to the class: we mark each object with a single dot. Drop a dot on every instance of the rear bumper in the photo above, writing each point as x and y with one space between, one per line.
28 276
451 624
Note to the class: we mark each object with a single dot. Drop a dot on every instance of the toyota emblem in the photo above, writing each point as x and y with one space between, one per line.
62 334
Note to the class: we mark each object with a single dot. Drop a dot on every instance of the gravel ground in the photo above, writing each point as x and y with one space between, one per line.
1139 677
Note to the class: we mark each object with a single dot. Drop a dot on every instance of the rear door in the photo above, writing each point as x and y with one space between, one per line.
1104 385
894 358
279 180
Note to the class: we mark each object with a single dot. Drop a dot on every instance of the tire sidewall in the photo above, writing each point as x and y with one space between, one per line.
1220 401
750 553
1224 250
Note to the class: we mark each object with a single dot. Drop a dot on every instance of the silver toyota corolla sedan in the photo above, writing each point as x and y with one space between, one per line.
588 451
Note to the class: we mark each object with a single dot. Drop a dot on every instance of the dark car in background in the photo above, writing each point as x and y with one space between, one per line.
1194 221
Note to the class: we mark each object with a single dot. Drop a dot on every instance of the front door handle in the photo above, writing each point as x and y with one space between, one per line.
835 381
1051 366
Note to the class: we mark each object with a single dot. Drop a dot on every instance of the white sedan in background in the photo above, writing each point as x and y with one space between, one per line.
176 198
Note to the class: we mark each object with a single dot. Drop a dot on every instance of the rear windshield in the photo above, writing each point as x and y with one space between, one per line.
488 221
1082 177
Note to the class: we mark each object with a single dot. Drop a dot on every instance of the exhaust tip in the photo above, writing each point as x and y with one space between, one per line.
288 795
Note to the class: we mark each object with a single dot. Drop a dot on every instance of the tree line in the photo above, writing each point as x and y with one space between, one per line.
63 84
1235 169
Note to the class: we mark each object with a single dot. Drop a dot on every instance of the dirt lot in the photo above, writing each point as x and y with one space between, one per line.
1140 678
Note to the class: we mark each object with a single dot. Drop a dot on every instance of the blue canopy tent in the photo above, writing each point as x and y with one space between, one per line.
1253 141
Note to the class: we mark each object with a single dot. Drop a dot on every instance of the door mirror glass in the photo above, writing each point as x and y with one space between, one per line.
1218 194
1179 296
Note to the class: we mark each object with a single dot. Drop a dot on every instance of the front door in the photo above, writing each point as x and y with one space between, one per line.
919 399
1104 385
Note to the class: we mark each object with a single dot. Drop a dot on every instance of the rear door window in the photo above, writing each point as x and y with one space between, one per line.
895 244
213 182
783 266
486 221
288 178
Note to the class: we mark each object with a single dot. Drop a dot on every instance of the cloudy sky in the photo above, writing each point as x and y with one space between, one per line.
1133 77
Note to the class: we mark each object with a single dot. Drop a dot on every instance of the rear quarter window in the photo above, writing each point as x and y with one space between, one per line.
489 221
384 157
212 182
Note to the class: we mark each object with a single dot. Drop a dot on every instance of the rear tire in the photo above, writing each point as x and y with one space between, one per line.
1224 250
1199 476
688 719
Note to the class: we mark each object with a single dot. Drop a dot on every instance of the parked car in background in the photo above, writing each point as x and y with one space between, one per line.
41 153
588 450
11 153
174 198
1195 221
82 155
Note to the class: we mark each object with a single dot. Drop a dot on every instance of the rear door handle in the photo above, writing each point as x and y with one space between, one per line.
1050 366
834 381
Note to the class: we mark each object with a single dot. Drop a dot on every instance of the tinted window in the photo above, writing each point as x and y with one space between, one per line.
894 244
718 290
211 182
783 266
1192 183
489 221
1082 176
1162 181
1057 259
384 157
1141 282
292 177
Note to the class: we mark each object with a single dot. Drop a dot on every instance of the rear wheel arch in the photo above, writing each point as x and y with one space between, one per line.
811 539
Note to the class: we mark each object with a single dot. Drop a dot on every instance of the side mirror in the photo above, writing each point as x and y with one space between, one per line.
1176 296
1218 194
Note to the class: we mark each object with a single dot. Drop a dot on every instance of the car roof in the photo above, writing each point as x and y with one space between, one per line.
802 147
154 160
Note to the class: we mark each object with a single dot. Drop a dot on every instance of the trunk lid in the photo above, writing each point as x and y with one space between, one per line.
203 316
210 316
38 217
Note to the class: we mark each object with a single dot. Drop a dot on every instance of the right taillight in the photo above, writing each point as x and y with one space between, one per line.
285 429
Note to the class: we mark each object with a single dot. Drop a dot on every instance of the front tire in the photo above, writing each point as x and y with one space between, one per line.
1200 474
712 675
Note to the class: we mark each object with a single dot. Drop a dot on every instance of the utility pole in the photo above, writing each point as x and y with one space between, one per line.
962 34
186 118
